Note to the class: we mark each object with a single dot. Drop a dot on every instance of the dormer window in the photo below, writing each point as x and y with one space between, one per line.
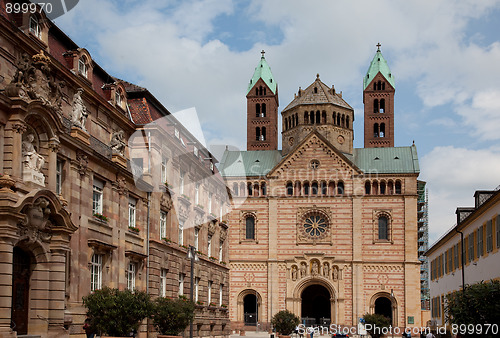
82 66
118 98
35 26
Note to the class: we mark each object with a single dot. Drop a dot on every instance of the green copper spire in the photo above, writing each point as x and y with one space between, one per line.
378 65
263 71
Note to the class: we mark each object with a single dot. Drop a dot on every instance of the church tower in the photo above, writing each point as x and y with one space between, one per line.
262 109
378 98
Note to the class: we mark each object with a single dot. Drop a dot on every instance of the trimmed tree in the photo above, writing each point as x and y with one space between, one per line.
285 322
376 322
172 316
477 305
117 313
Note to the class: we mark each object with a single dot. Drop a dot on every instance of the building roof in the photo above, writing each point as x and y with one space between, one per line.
248 163
387 160
398 160
263 71
318 93
379 64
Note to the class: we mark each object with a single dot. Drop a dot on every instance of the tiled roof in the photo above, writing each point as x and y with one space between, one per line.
130 87
378 65
263 71
397 160
248 163
139 110
322 94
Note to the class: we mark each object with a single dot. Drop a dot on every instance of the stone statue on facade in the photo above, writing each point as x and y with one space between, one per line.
326 270
303 270
31 158
294 272
117 143
335 273
79 112
315 268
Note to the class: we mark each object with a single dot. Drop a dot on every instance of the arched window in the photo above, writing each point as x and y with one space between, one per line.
256 189
390 188
398 187
324 188
347 122
383 85
343 121
250 227
263 136
323 117
340 188
289 189
264 91
35 26
367 188
338 119
375 130
296 119
314 188
249 189
374 86
257 109
306 117
242 189
318 117
263 114
306 189
375 106
383 228
263 189
382 105
298 188
382 130
334 120
235 189
375 188
82 66
382 188
311 117
315 90
257 133
331 188
260 91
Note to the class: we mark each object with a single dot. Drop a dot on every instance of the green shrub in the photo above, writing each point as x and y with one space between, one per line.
117 313
285 322
376 321
172 316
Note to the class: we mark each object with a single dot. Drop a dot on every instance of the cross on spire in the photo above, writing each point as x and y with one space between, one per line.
378 46
263 52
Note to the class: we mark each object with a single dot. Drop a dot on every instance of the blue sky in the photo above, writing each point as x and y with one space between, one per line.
444 56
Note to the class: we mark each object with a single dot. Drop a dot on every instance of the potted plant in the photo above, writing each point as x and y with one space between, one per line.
117 313
171 316
101 217
134 229
285 322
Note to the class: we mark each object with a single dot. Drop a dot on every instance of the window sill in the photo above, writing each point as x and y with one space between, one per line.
99 222
383 241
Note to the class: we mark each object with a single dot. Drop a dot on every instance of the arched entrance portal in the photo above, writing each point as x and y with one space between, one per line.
250 309
20 290
383 306
316 305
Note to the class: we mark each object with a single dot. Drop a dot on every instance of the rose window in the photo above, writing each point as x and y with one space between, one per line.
315 225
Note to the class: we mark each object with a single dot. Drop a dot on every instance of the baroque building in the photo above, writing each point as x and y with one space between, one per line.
321 228
100 186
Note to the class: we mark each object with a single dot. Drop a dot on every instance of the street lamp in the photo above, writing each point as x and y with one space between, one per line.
194 258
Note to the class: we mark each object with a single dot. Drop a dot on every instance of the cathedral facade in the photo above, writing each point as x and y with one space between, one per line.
320 228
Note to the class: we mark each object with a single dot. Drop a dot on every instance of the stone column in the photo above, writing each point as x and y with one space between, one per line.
17 157
57 286
54 148
6 257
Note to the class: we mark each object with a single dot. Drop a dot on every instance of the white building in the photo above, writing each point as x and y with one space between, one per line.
479 229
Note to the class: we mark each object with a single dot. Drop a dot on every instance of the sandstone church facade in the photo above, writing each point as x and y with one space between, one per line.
320 228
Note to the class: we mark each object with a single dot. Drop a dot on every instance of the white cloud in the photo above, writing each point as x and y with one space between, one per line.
453 175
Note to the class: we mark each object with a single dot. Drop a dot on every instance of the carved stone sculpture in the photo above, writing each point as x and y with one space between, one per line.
315 268
294 272
117 143
36 223
79 112
31 158
303 270
326 270
335 273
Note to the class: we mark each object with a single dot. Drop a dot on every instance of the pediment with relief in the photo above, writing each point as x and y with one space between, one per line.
315 153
